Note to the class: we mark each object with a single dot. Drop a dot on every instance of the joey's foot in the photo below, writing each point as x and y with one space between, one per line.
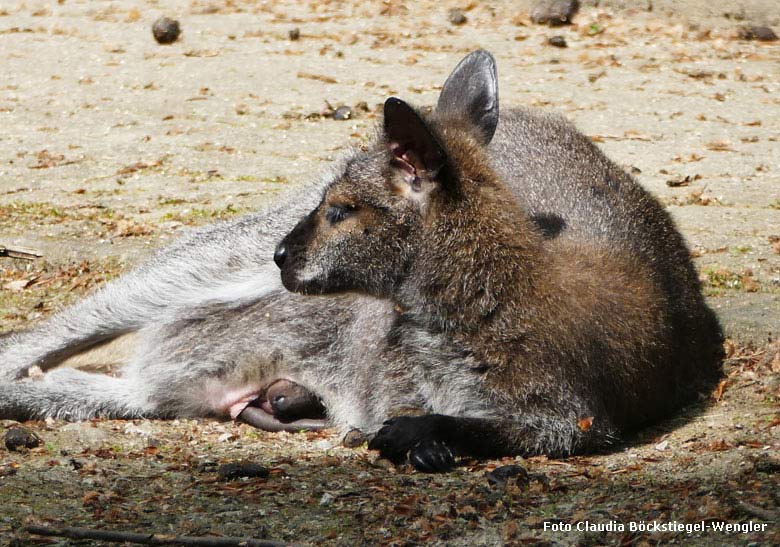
414 440
289 402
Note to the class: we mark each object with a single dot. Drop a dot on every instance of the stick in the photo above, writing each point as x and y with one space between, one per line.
760 512
71 532
25 254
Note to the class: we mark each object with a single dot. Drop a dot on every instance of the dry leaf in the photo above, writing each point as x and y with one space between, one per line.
318 77
90 497
719 445
775 365
719 390
20 284
585 423
719 146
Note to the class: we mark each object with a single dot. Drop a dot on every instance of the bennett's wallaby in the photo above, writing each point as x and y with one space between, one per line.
213 327
567 340
224 269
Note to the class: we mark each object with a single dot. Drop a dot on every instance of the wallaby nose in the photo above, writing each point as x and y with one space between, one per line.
280 255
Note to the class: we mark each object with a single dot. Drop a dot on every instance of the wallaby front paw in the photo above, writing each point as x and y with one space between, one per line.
432 457
391 441
413 439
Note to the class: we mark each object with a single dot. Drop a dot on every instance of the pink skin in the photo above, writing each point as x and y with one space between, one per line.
249 405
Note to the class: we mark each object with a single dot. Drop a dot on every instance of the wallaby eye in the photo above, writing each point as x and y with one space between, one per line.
337 213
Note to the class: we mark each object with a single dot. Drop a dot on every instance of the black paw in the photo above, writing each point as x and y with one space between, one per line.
414 440
432 457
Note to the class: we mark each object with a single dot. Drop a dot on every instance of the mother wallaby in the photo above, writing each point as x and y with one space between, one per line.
533 270
523 313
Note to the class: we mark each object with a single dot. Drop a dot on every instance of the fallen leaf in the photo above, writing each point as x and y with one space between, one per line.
719 390
775 365
20 284
719 146
719 445
585 423
318 77
90 497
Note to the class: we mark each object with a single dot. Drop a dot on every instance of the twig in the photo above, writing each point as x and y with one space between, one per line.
71 532
25 254
759 512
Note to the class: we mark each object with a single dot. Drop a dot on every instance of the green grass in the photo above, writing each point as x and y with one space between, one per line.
198 215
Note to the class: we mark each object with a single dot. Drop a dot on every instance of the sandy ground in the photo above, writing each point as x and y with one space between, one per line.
111 142
111 145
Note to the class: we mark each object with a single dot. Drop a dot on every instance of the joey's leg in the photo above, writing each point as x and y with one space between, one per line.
259 418
432 442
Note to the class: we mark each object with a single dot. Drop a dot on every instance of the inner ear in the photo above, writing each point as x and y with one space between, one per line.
415 149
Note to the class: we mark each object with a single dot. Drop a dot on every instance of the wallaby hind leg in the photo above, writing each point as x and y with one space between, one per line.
74 395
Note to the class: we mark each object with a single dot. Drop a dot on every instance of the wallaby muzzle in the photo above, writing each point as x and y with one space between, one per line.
290 256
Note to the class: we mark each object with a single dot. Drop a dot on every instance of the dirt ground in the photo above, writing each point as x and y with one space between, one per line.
111 145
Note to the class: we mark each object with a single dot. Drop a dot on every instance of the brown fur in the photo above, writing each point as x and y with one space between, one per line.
569 340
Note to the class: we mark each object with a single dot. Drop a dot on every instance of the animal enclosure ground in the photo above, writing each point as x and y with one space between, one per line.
112 145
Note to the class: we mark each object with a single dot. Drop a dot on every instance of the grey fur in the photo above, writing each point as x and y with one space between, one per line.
209 311
532 269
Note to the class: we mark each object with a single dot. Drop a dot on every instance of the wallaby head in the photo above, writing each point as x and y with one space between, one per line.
364 235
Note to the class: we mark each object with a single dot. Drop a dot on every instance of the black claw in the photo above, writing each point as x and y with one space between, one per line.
413 440
432 457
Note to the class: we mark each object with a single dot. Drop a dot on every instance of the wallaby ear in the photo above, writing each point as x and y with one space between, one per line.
472 91
415 150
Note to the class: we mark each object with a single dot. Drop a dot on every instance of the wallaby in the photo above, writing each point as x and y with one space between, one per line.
211 327
567 341
208 273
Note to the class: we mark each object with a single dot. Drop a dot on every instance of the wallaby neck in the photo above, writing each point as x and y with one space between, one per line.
479 256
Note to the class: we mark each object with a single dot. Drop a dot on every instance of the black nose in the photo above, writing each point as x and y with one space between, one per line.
280 255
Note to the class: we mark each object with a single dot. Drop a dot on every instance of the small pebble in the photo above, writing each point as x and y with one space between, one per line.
760 33
326 499
238 470
456 17
500 475
354 438
20 437
294 34
663 445
554 12
557 41
166 30
342 113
